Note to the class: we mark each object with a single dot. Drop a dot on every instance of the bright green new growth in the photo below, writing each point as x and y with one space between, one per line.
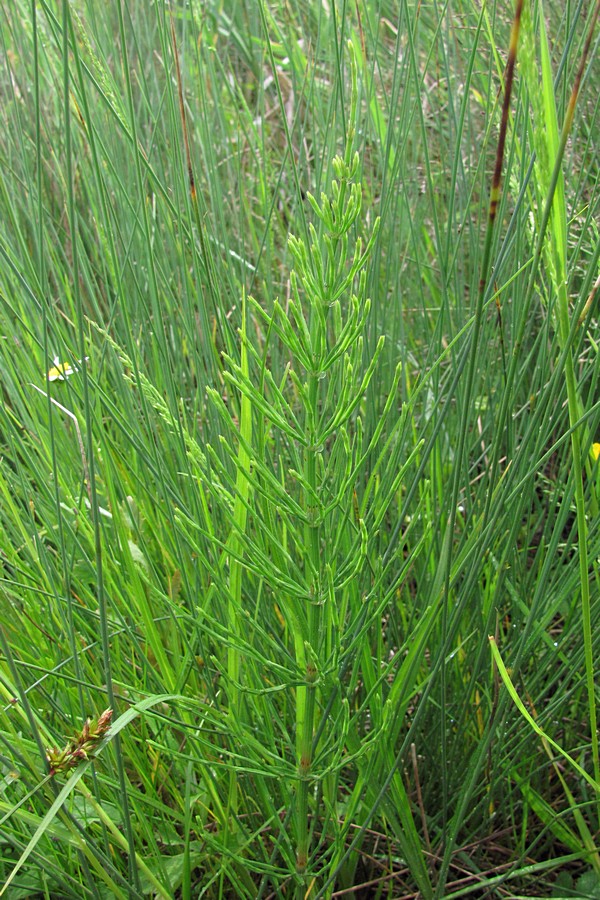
304 513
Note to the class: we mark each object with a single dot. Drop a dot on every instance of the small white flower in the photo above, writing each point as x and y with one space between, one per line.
61 371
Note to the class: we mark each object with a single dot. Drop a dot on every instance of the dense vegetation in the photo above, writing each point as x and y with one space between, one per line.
299 463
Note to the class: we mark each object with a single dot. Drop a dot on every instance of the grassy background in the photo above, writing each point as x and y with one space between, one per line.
286 607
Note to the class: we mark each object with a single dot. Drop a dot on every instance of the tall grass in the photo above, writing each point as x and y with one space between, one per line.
295 419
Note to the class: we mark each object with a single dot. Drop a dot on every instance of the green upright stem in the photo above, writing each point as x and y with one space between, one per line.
337 217
307 692
582 528
235 566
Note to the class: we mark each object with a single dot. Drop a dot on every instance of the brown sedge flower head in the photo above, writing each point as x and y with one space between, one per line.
82 746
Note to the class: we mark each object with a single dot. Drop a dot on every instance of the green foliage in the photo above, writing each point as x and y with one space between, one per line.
293 473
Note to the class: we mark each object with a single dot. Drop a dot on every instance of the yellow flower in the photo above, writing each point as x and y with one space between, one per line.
595 450
61 371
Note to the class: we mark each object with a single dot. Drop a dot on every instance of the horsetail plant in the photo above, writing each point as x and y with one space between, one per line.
313 407
333 349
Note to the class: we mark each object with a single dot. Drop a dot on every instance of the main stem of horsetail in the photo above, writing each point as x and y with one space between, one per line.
307 691
320 295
